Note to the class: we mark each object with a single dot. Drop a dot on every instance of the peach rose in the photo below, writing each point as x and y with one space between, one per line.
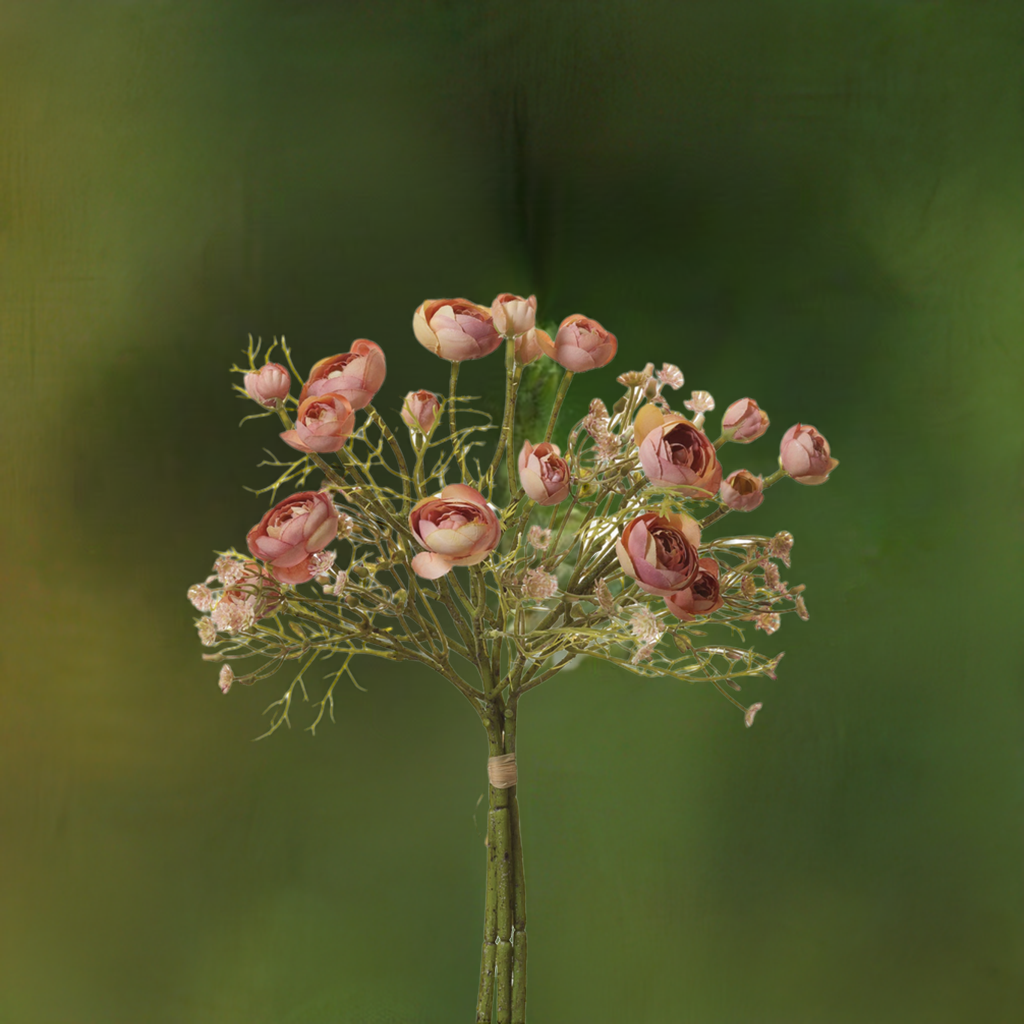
528 345
660 552
420 410
457 528
805 455
742 491
744 421
580 344
513 315
674 453
357 374
543 473
292 532
455 329
322 424
269 383
701 597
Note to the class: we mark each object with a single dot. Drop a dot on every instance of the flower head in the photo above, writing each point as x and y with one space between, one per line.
805 455
660 552
580 344
291 532
420 410
701 597
323 423
742 490
457 527
543 473
357 374
513 315
674 453
744 421
455 329
267 384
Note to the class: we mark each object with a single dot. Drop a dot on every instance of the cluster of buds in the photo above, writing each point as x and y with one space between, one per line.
620 556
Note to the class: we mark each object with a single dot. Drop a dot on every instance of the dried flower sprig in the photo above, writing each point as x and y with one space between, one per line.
600 551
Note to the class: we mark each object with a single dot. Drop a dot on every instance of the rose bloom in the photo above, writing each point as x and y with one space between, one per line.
674 453
660 552
744 421
357 374
580 344
292 532
543 473
457 528
269 383
701 597
322 424
742 491
420 410
512 314
455 329
805 455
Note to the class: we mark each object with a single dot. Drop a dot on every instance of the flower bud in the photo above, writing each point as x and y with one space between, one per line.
420 410
528 345
455 329
744 421
457 527
357 374
543 473
701 597
742 491
269 383
291 532
674 453
513 315
580 344
805 455
660 552
322 424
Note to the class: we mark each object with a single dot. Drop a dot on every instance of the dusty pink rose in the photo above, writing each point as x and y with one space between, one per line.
701 597
660 552
528 345
580 344
269 383
805 455
744 421
742 491
357 374
455 329
674 453
457 528
322 424
294 530
513 315
543 473
420 410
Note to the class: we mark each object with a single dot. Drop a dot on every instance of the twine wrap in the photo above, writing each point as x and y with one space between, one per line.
501 771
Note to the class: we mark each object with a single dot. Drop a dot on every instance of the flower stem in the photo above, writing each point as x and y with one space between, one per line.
559 398
451 420
512 376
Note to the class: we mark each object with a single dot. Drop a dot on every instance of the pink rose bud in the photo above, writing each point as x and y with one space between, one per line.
269 383
357 374
674 453
701 597
513 315
455 329
742 491
292 532
543 473
744 421
420 411
528 345
580 344
457 528
660 552
322 424
805 455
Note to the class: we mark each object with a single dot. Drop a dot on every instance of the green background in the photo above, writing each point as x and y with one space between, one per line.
819 205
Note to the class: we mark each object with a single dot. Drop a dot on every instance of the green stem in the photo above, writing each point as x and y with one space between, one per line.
395 447
451 420
519 946
559 398
512 376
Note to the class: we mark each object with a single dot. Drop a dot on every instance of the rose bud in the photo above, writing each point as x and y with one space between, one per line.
512 314
580 344
420 410
543 473
292 532
269 383
674 453
357 374
660 552
805 455
701 597
455 329
528 345
742 491
322 424
744 421
457 528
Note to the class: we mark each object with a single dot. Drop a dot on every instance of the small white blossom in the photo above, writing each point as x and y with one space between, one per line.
748 718
603 593
539 538
645 626
769 622
233 615
207 632
321 561
226 678
539 585
642 654
201 597
700 402
780 547
346 526
670 376
229 570
801 608
339 584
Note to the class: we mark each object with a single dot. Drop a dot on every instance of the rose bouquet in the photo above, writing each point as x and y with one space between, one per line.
600 551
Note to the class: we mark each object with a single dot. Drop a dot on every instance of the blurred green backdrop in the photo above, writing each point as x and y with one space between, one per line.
816 204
